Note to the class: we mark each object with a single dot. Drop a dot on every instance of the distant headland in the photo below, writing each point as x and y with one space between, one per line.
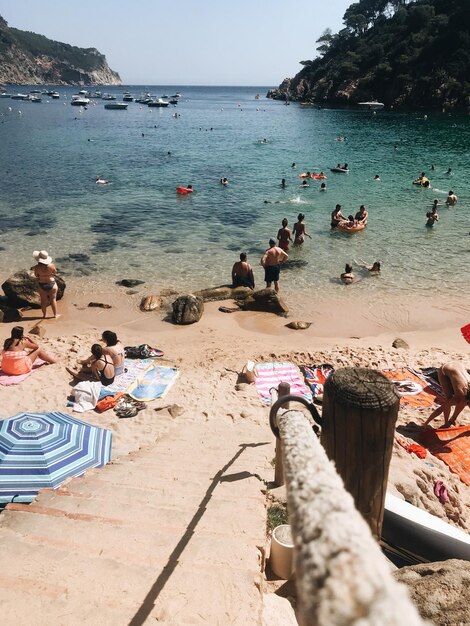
404 54
30 59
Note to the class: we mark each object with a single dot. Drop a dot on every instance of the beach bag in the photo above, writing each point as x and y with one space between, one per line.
144 351
249 372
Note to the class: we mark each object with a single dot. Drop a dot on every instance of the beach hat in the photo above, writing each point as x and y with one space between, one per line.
272 242
42 257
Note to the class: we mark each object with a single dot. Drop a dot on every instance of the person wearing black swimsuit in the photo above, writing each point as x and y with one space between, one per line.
102 367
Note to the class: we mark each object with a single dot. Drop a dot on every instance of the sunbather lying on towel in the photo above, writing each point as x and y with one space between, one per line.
455 382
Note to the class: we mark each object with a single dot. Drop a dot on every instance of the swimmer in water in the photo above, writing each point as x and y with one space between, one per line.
432 216
283 183
347 277
224 181
304 183
101 181
293 166
323 187
451 199
449 172
377 178
373 269
337 216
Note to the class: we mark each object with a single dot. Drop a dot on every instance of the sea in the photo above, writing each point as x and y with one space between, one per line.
137 226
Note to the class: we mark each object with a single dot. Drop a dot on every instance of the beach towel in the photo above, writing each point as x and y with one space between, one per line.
451 445
316 376
271 374
6 379
86 394
135 368
154 383
414 388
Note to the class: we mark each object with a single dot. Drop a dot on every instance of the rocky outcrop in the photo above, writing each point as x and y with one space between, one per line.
224 292
27 58
266 300
150 303
187 309
440 591
21 289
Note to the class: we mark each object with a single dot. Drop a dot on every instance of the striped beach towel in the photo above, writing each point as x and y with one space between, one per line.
271 374
135 368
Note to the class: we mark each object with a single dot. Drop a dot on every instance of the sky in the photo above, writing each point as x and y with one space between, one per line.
187 42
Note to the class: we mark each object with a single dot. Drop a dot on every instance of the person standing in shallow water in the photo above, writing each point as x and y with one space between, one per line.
284 236
300 230
47 287
242 273
271 261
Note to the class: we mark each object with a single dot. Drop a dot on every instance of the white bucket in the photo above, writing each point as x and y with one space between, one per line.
282 552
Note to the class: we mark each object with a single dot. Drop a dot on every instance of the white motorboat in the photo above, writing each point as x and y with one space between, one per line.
19 96
108 96
127 98
158 103
372 105
122 106
79 101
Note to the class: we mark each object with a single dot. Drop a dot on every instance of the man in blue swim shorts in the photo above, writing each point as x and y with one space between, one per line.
271 261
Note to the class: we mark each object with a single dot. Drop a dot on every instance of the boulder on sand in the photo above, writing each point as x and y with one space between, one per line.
224 292
266 300
21 289
150 303
187 309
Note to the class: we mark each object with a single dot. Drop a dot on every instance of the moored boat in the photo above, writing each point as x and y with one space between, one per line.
79 101
19 96
372 105
116 105
158 103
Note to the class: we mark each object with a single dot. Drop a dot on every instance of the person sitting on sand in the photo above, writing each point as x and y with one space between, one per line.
362 215
114 348
455 382
337 216
284 236
271 261
98 366
242 273
451 199
432 216
347 277
300 230
20 352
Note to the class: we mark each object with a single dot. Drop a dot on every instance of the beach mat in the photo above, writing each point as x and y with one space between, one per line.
6 379
315 377
135 368
271 374
154 383
452 446
414 389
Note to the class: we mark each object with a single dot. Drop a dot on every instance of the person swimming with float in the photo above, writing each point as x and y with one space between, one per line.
336 216
347 277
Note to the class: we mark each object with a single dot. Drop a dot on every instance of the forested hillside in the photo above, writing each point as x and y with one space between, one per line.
28 58
400 52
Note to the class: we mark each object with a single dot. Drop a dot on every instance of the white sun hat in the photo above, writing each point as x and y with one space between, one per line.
42 257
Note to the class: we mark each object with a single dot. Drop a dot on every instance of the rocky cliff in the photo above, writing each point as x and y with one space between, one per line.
31 59
405 54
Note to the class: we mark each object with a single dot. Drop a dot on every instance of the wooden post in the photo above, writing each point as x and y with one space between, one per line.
282 390
360 409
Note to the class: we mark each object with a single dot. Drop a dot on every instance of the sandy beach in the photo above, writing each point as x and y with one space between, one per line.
211 353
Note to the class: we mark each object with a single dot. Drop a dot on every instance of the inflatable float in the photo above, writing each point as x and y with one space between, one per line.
339 169
415 536
304 175
318 176
351 229
184 190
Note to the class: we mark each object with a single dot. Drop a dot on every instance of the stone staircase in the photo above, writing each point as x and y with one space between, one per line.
173 534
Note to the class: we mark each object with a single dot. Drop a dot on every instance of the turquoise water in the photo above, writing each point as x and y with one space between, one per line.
137 226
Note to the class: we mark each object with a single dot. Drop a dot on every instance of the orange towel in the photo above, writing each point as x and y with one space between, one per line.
414 390
451 445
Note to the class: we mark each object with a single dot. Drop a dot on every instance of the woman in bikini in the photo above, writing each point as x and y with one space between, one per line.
284 236
300 230
455 382
45 271
114 348
20 353
99 366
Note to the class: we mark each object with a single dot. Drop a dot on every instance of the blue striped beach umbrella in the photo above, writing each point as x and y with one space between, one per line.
40 450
